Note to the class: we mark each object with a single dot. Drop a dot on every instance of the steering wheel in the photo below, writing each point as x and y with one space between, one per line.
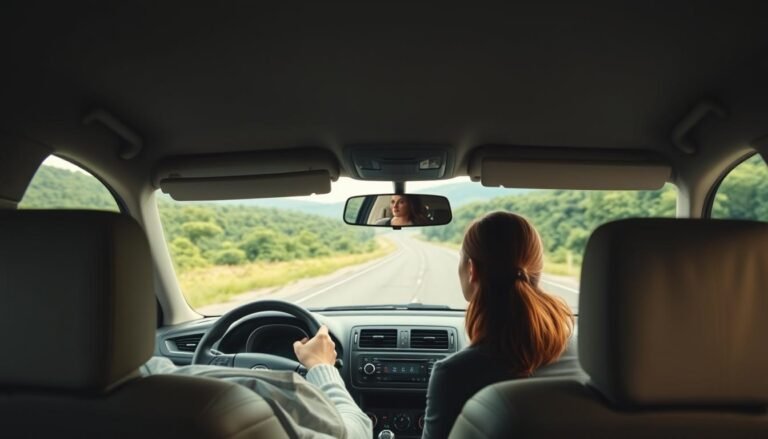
252 360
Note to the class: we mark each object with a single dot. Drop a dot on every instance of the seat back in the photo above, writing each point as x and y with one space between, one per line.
77 290
671 335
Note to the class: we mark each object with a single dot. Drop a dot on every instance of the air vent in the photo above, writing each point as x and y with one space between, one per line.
378 338
187 343
429 339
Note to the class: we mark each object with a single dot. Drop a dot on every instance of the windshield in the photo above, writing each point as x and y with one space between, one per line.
299 249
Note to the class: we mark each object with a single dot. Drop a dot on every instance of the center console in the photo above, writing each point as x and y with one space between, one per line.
401 414
391 366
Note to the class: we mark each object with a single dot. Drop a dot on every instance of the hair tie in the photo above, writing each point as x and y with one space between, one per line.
521 274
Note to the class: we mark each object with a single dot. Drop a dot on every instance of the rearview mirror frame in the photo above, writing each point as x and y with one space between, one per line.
397 210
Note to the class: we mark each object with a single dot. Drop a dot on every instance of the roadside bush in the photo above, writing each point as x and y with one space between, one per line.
186 254
230 256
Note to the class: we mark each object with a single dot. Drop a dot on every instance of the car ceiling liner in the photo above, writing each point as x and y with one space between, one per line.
19 159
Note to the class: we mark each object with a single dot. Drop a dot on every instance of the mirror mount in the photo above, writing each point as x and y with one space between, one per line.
399 187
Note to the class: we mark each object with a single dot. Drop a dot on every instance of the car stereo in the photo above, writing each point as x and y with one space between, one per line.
382 370
398 356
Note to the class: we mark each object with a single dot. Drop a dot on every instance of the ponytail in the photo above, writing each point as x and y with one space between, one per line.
523 325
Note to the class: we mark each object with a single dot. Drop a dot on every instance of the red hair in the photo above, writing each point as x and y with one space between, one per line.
509 313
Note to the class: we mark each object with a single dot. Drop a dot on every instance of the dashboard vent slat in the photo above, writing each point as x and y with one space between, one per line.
378 338
187 343
429 339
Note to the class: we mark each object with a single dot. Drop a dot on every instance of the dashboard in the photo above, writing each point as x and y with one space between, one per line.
386 356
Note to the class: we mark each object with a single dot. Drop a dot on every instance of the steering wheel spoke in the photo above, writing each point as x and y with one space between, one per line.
226 360
252 360
258 361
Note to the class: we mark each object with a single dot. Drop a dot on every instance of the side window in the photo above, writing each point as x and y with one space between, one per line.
743 193
59 184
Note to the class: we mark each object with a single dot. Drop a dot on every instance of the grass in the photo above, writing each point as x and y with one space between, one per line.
204 286
562 269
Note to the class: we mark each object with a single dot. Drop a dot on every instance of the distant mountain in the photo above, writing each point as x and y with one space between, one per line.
331 210
460 194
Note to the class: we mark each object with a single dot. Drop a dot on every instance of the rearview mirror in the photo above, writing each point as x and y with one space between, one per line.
397 210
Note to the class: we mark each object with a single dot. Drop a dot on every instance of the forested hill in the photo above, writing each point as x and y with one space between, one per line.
56 188
220 234
201 234
565 219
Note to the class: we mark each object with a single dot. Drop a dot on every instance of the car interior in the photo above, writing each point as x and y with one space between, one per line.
244 101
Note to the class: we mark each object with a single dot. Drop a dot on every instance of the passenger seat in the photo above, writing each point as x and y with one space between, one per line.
672 333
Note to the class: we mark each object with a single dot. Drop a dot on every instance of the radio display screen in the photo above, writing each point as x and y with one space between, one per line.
403 368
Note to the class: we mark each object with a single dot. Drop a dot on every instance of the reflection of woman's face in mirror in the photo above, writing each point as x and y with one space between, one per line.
400 210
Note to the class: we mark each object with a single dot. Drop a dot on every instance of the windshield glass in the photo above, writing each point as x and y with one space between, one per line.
299 249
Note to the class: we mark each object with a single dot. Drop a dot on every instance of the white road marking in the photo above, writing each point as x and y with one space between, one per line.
559 285
345 280
422 265
420 275
572 290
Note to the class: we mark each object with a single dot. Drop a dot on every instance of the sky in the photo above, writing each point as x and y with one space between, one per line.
347 187
340 190
56 162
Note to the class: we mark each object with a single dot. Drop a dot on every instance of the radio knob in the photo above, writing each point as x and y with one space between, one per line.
401 421
369 369
374 419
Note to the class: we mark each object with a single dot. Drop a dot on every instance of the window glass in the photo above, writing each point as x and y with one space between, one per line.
743 194
59 184
299 249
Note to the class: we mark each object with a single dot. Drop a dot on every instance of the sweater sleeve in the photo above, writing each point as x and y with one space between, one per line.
329 381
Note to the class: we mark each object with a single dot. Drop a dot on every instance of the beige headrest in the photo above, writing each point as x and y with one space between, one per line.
76 290
675 311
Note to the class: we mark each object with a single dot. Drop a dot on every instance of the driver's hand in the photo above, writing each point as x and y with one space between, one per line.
320 349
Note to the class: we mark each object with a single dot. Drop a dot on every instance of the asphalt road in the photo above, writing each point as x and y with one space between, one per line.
417 271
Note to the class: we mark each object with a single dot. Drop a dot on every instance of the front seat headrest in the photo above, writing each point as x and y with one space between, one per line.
76 289
673 312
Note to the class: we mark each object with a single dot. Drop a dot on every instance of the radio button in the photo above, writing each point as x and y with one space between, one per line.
369 369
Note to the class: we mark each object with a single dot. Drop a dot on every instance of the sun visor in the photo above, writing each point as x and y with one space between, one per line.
568 168
573 175
250 175
238 188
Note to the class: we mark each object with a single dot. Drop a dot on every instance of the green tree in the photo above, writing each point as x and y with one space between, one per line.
186 254
229 256
56 188
743 194
197 230
264 244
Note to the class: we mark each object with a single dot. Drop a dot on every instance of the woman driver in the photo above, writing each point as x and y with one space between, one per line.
516 330
407 210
